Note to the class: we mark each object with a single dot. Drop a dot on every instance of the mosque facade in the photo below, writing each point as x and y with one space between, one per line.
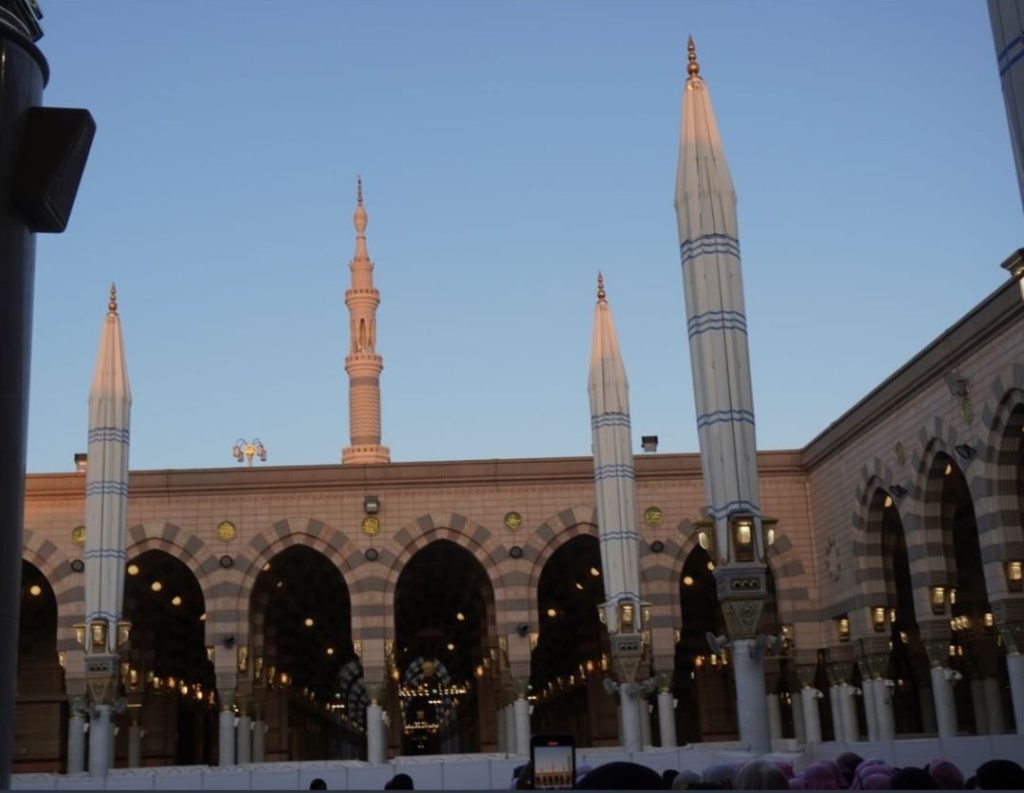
867 587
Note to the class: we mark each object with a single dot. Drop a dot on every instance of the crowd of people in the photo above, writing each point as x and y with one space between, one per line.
848 771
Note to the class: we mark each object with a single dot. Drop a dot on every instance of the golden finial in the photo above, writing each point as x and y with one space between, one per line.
600 287
359 219
112 305
692 67
359 190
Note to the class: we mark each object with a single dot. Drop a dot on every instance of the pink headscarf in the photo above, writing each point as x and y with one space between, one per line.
822 775
946 775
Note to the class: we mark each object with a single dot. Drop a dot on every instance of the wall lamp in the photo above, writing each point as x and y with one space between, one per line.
878 618
1015 575
743 537
649 443
843 629
371 505
937 597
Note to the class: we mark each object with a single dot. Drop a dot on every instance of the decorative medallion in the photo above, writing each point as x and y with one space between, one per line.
967 409
653 516
226 530
513 521
833 564
901 453
371 525
78 535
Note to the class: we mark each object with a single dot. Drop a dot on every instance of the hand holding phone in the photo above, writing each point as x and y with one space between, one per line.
554 761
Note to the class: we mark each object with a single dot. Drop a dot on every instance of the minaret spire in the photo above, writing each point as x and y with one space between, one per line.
106 504
615 491
717 327
362 363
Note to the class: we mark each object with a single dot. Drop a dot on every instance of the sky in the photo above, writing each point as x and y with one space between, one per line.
509 151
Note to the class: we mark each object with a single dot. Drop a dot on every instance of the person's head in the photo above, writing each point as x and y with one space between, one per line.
848 762
524 779
823 776
318 784
668 775
946 775
911 778
721 773
400 782
877 777
761 775
685 780
1000 775
622 776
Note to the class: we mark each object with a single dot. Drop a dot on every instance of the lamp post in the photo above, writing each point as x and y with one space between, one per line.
244 451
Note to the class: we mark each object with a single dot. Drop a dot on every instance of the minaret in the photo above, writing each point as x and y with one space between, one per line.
106 503
615 486
717 326
362 363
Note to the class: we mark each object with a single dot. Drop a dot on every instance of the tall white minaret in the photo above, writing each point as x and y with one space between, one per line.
106 504
362 363
615 488
717 326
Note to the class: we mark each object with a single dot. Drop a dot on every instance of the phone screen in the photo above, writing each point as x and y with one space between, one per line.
554 762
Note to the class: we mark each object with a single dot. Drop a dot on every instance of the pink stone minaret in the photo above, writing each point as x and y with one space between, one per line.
362 363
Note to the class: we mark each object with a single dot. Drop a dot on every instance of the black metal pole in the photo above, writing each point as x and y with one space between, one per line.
23 74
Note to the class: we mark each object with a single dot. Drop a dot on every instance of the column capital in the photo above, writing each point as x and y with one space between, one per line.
742 616
1013 637
937 652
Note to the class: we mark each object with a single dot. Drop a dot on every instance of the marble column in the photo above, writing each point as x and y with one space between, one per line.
812 717
667 719
243 738
774 717
510 731
883 710
978 704
134 741
837 722
1015 671
867 688
521 708
76 741
259 740
751 697
632 733
644 706
994 706
99 740
226 737
945 705
796 705
500 722
374 735
848 713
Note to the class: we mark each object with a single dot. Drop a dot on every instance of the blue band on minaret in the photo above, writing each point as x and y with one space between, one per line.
105 486
724 319
609 420
708 244
614 471
115 434
725 416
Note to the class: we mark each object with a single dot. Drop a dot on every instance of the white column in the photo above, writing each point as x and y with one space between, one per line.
867 688
632 733
243 739
374 742
500 724
259 741
994 706
883 710
1015 671
978 704
751 702
226 737
945 705
644 706
76 742
134 744
522 721
113 745
510 731
774 717
667 719
99 741
812 718
848 713
837 722
797 707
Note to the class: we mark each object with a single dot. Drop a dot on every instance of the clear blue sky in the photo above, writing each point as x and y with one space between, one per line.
509 151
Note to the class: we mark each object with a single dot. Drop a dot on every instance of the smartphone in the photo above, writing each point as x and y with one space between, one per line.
554 761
